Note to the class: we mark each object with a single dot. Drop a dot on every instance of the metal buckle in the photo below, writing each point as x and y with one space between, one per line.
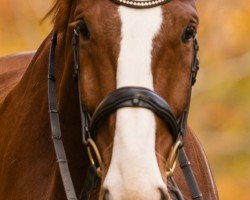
172 159
92 148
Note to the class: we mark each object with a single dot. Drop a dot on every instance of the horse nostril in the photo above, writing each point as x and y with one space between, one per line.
164 194
106 195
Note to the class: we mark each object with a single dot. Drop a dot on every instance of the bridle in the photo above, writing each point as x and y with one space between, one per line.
123 97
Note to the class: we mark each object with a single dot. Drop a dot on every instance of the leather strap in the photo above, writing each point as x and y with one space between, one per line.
174 189
55 126
189 175
90 183
184 163
135 97
85 116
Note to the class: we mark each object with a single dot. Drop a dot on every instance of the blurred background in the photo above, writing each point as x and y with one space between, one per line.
220 110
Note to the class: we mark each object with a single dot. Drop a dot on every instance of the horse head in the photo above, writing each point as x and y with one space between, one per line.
141 55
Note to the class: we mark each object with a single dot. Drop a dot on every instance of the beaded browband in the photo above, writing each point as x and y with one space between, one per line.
141 3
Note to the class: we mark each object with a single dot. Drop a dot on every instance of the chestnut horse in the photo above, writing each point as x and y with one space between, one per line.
12 68
120 45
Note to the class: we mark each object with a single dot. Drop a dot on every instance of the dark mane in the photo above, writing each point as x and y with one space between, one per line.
59 13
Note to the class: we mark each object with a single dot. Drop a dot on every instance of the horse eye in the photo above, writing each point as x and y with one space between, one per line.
188 34
84 31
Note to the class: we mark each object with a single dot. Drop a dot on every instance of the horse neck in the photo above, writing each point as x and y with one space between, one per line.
27 107
28 100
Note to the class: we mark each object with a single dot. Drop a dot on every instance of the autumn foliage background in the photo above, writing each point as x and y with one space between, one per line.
220 110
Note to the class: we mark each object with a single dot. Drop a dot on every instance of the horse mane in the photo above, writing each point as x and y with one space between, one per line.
59 14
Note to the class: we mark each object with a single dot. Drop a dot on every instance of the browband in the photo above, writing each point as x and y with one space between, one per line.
141 3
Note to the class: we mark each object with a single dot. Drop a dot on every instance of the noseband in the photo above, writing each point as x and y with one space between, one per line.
135 97
120 98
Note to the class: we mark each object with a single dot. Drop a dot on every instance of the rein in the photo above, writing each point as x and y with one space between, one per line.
123 97
55 126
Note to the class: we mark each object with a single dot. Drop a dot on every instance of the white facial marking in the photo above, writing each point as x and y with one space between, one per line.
134 167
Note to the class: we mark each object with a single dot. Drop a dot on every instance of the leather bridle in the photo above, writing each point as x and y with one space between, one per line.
123 97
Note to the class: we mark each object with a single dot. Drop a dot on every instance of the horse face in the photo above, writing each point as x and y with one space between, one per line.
151 48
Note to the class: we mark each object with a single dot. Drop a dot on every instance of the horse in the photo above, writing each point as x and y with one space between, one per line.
106 118
12 68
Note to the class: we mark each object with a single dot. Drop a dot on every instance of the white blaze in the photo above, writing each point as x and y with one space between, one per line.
134 163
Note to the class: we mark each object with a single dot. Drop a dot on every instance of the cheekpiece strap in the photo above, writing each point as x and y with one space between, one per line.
85 116
196 63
